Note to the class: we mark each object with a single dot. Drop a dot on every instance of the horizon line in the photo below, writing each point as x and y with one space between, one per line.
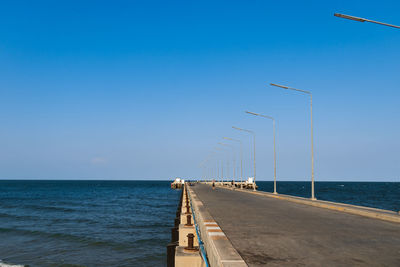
166 180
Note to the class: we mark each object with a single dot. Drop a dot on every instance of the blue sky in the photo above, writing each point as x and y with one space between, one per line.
145 89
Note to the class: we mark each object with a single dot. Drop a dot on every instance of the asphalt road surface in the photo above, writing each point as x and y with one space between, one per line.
275 232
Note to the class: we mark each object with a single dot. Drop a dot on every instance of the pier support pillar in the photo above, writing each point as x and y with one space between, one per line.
183 232
184 258
171 251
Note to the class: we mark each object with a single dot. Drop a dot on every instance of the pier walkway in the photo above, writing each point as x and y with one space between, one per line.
276 232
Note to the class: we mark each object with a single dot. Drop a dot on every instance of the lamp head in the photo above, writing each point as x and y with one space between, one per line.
278 85
349 17
252 113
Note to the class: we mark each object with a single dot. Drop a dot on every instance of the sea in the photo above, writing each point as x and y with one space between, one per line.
122 223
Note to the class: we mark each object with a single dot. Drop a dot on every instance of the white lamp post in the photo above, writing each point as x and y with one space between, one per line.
241 159
254 150
273 126
312 135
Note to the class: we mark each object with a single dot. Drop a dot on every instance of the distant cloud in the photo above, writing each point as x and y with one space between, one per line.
98 160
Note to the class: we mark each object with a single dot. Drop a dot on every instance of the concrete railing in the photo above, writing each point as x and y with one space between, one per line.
220 251
380 214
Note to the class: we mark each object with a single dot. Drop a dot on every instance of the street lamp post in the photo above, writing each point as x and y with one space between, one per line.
203 166
208 169
273 126
241 159
254 150
312 135
227 163
216 163
364 20
222 166
202 171
234 158
222 172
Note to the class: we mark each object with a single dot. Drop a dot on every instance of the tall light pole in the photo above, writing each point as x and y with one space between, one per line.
234 158
273 127
217 164
364 20
204 168
206 161
241 159
227 163
222 166
201 165
254 150
312 134
202 171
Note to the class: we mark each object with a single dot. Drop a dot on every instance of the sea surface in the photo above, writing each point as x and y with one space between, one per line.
86 223
122 223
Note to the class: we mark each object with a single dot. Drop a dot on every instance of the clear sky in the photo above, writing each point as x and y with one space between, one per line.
145 89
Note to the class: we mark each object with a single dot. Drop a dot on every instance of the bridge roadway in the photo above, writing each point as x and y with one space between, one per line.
276 232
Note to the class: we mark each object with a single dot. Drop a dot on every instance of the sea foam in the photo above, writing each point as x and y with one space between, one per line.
2 264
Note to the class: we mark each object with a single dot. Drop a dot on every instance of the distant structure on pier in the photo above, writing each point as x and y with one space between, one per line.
177 183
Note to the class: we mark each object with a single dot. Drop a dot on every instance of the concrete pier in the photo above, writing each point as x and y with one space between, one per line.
277 231
184 249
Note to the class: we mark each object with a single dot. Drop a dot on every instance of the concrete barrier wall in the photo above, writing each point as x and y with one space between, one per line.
220 251
380 214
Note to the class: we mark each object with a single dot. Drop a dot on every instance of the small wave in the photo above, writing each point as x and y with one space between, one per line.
68 237
20 217
64 236
52 208
70 265
3 264
37 218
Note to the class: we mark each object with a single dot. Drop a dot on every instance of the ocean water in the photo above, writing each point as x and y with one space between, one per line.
122 223
86 223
